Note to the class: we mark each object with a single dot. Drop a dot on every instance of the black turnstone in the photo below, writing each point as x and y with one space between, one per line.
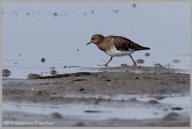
116 46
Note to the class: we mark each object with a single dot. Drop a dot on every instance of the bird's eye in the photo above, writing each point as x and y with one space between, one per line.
93 38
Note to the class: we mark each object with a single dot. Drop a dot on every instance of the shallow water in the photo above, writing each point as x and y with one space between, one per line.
107 112
59 33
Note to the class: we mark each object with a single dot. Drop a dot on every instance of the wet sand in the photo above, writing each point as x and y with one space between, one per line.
119 88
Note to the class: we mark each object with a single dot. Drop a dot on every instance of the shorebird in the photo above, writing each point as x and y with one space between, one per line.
116 46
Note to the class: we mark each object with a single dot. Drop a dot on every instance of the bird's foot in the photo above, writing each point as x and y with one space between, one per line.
106 64
102 65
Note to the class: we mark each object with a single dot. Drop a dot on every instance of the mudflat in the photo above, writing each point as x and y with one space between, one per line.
122 96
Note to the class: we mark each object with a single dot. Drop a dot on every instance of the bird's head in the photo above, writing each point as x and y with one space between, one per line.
96 38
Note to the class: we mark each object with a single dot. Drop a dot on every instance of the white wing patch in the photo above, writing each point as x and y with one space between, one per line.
114 52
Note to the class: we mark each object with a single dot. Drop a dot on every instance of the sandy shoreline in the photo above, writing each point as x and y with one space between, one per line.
111 87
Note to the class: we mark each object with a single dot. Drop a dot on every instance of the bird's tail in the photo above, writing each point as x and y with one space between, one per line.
145 48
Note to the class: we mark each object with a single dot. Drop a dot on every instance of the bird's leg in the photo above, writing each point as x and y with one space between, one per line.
109 61
134 63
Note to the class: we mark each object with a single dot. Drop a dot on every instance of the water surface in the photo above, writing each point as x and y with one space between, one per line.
59 33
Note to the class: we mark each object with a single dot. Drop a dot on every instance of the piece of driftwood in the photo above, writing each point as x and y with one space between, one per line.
63 75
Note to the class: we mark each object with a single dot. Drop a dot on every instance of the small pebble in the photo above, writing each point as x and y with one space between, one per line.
153 102
177 108
124 65
82 89
160 97
55 14
171 116
176 61
147 54
79 79
116 11
134 5
43 60
33 76
140 61
28 13
92 12
136 77
158 65
56 115
6 73
79 124
92 111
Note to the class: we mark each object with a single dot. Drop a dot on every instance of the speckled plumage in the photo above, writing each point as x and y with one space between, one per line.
116 45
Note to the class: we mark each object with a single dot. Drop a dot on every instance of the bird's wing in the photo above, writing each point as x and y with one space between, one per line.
124 44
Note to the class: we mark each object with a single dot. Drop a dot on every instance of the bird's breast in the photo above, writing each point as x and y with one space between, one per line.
104 46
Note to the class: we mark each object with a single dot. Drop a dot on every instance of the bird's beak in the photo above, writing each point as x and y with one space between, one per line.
89 43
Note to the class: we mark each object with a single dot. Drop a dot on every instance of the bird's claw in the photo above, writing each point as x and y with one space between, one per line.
105 64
